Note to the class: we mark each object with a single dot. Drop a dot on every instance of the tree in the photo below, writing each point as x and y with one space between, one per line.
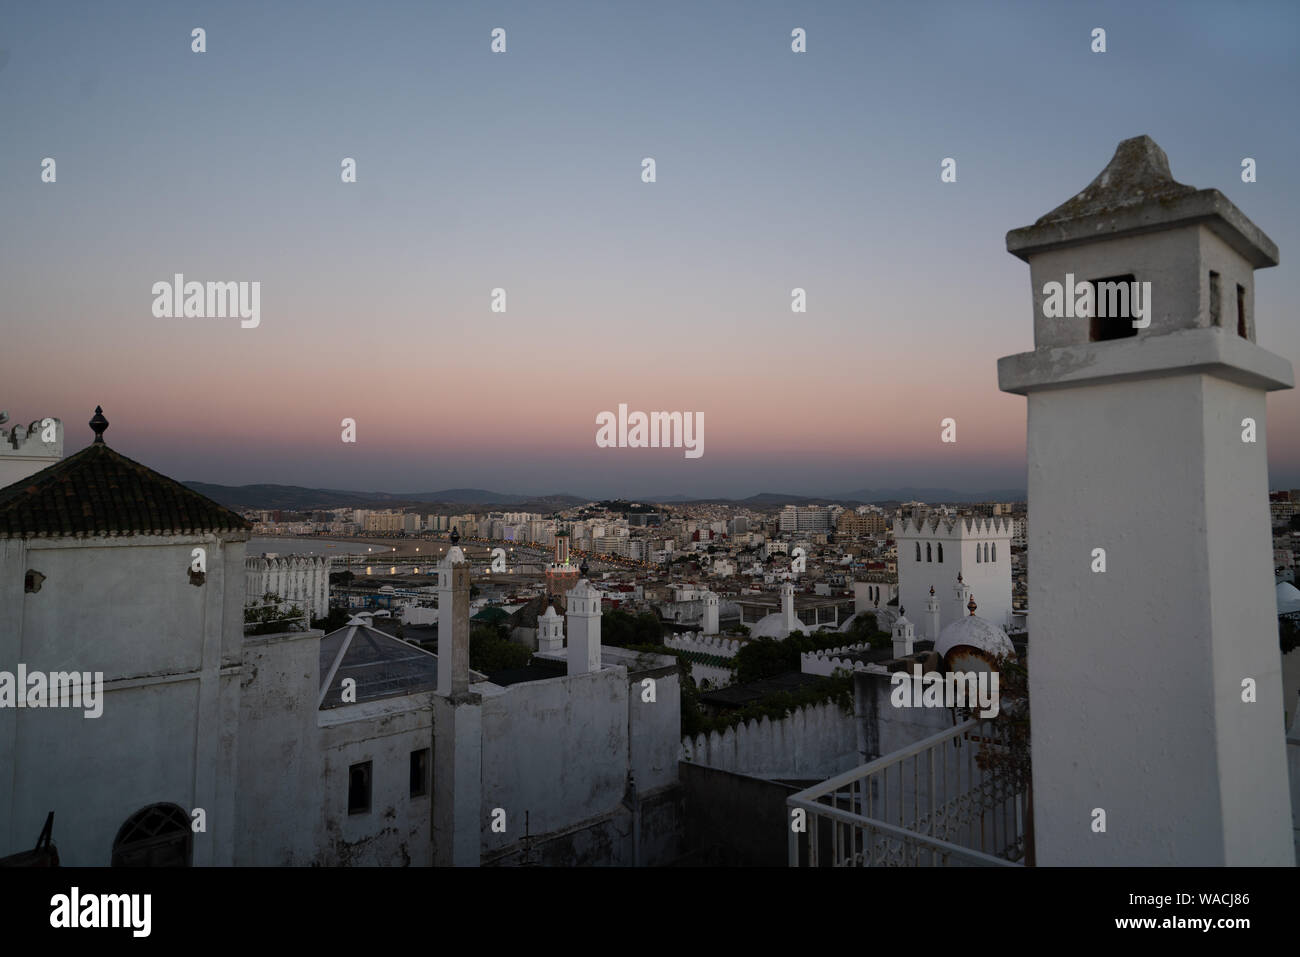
1288 634
491 651
267 617
333 621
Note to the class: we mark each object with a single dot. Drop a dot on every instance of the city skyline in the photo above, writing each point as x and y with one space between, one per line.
477 172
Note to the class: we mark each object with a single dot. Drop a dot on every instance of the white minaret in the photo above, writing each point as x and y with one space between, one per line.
932 616
583 614
1147 459
904 635
550 631
791 620
710 613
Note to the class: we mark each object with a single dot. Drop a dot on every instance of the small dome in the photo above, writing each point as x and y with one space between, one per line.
770 626
971 634
1288 598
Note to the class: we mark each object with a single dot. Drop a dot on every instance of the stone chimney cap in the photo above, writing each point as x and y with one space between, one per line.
1137 173
1137 193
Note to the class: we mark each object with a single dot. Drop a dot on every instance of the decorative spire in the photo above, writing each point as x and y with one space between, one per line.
971 604
583 568
99 424
931 589
901 611
455 536
959 578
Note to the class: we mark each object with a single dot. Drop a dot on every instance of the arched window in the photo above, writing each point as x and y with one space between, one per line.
941 551
927 552
986 551
918 551
995 551
977 553
158 836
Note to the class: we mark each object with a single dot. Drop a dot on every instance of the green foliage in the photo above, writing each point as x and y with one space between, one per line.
778 705
1288 635
769 657
333 621
490 650
865 628
623 629
265 617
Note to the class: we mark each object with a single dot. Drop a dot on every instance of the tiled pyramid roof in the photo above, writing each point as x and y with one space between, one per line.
99 491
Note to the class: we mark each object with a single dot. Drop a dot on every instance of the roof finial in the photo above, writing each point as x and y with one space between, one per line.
959 578
931 589
454 536
98 424
971 604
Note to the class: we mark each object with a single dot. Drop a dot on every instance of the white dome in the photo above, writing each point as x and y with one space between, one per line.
770 626
1288 598
973 632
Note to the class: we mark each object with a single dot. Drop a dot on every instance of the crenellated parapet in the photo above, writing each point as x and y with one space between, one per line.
26 449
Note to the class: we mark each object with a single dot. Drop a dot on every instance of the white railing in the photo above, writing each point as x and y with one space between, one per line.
926 805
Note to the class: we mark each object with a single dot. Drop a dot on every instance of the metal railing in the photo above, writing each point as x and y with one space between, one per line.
926 805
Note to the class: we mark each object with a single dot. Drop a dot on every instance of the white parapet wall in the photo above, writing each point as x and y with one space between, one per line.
816 741
705 644
830 660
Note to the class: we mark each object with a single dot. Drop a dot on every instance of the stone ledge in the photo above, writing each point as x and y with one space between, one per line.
1211 351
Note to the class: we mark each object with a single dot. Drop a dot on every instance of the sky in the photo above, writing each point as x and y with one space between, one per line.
523 171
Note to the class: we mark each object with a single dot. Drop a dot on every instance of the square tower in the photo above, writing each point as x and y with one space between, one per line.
933 551
1151 574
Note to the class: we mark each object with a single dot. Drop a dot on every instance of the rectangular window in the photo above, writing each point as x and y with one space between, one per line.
359 788
420 773
1216 309
1112 316
1241 312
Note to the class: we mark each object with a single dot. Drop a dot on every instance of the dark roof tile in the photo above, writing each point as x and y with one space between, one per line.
100 492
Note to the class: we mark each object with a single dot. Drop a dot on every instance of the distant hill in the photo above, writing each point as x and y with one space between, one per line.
298 498
910 494
861 496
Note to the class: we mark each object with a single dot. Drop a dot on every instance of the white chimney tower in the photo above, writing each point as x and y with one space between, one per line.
1155 672
904 635
790 619
710 613
550 631
932 616
583 614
